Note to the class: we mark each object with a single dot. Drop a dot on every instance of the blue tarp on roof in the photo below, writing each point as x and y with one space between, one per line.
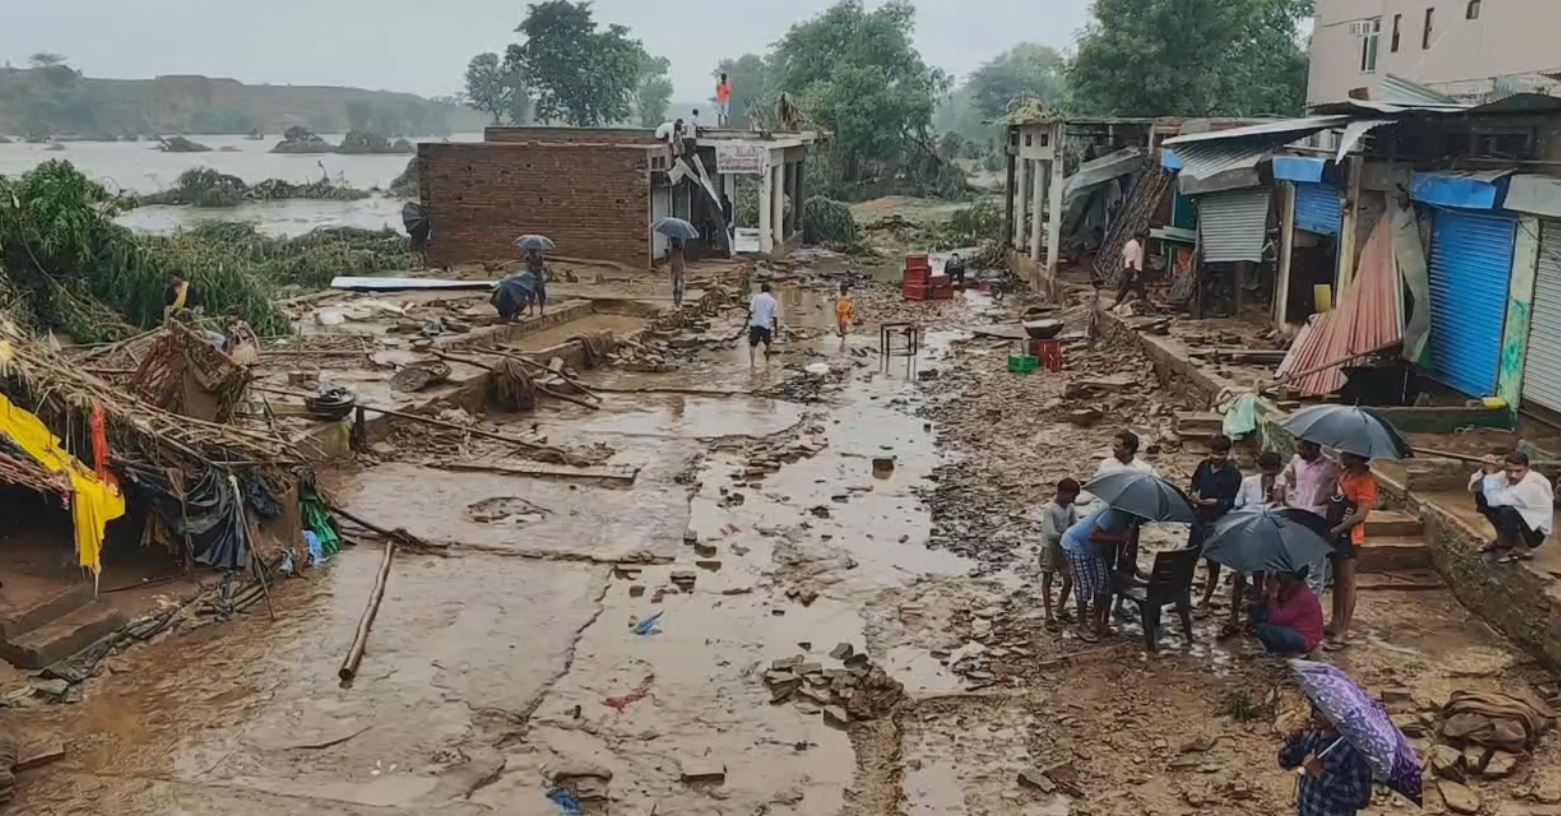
1471 191
1169 160
1299 168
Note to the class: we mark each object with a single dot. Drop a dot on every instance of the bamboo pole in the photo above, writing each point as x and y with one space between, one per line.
349 666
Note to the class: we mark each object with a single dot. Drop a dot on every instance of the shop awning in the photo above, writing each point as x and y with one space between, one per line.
1470 190
1299 168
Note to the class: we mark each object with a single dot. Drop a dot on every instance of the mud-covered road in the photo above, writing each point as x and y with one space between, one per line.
759 530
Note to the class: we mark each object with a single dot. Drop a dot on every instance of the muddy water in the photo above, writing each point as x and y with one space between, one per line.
557 335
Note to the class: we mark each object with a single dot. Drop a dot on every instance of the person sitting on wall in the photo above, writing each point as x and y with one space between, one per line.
1517 501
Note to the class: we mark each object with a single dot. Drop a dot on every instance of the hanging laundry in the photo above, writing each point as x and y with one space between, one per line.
94 503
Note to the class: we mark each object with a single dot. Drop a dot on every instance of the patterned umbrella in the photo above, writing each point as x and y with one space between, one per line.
1364 723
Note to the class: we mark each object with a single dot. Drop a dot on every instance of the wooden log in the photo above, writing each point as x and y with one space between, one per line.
398 535
349 666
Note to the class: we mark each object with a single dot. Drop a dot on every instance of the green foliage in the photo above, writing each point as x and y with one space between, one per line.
1026 71
752 86
205 187
977 224
581 75
857 74
825 221
496 88
406 184
1192 58
654 94
67 266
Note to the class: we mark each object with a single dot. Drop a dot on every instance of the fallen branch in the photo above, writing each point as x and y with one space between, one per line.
398 535
349 667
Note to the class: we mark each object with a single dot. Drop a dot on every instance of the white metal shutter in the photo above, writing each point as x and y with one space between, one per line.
1542 367
1233 225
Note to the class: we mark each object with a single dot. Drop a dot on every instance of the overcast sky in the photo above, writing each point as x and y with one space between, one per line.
422 46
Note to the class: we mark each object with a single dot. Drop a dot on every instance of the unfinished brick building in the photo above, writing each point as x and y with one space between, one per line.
596 191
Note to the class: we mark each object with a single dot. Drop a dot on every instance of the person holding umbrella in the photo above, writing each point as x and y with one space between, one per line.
1289 621
1334 778
1280 542
1349 743
678 264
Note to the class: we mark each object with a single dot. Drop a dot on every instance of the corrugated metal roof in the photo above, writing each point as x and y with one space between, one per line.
1293 129
1401 91
1202 160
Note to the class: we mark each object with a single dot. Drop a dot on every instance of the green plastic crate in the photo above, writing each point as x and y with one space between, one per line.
1023 364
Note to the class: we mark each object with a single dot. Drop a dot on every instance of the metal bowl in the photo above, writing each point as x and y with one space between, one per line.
1043 329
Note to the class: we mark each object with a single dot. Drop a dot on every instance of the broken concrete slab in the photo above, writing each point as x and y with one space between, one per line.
702 771
842 651
1459 798
836 716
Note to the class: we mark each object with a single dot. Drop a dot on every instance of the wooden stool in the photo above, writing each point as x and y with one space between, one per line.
1049 352
910 331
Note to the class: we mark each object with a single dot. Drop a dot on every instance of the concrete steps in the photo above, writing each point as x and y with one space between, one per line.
1392 524
1198 426
62 637
21 621
1395 554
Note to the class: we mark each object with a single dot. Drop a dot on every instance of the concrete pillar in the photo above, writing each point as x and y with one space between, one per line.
777 223
1008 196
1022 204
1054 223
766 201
1041 171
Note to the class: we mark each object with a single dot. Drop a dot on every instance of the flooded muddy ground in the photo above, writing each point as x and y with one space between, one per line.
610 643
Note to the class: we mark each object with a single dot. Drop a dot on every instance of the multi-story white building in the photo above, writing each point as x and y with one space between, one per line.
1470 49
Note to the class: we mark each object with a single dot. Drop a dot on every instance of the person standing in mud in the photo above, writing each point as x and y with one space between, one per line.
763 321
1124 457
1215 484
1056 518
845 311
1306 484
1348 510
678 263
1088 546
1335 779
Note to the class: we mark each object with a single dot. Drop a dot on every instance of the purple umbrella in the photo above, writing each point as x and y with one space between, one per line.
1364 724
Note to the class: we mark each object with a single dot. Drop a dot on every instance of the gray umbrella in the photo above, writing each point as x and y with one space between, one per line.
1144 495
675 228
538 243
1268 538
1347 428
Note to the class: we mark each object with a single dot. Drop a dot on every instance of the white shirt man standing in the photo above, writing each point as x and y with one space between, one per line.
762 321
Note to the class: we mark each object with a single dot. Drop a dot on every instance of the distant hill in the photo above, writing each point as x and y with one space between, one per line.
56 100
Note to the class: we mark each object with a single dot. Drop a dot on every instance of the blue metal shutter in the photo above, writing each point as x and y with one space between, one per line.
1317 208
1471 268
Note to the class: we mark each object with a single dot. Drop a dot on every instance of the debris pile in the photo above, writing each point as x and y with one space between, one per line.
857 690
299 139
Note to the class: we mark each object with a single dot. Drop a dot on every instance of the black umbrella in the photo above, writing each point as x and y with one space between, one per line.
1144 495
537 243
1269 538
675 228
1361 431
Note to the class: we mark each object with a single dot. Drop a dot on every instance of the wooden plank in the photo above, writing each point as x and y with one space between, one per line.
610 473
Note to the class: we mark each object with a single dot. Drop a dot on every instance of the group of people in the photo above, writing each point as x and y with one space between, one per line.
1096 555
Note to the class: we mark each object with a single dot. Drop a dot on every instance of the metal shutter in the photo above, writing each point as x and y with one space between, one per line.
1233 225
1542 367
1317 208
1471 268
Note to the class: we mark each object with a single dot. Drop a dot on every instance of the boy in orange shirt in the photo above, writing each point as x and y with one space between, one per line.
845 310
1351 505
723 98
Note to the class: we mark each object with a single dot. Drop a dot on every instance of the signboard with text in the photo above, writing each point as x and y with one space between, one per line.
741 157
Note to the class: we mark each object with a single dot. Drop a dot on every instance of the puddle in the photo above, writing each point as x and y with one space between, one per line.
687 416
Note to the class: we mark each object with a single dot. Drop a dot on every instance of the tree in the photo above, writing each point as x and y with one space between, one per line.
495 87
751 83
581 74
1192 58
1026 71
654 94
46 59
857 74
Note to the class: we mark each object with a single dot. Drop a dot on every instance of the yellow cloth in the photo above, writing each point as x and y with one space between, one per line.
179 299
93 503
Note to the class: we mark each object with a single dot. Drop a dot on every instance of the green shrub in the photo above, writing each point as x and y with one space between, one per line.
826 221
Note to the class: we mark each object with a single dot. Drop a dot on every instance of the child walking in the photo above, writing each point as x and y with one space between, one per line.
845 311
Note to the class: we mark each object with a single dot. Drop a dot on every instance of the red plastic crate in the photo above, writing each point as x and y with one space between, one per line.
915 291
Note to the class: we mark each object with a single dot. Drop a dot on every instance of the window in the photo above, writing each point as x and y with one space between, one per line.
1371 33
1398 24
1473 13
1425 36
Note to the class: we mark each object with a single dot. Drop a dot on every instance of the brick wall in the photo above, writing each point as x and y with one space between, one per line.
592 200
569 135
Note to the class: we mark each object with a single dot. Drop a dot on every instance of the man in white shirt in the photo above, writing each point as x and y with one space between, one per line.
1133 268
1517 501
762 321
